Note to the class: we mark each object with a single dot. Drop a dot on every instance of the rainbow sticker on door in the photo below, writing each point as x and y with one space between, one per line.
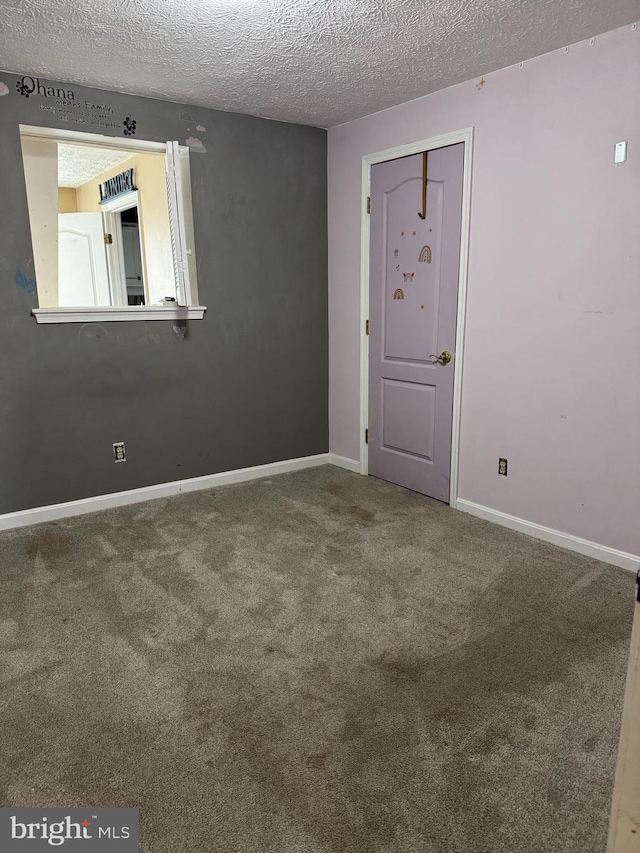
399 293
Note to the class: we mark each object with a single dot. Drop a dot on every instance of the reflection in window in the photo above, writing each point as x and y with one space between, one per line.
101 224
130 229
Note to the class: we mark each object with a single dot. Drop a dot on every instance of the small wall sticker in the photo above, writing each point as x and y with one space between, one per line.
4 89
195 144
395 253
480 84
129 125
399 293
425 255
196 138
408 276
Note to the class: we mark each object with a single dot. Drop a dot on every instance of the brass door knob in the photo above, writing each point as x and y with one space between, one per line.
443 358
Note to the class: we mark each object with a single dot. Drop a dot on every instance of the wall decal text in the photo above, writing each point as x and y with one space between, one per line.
68 107
28 86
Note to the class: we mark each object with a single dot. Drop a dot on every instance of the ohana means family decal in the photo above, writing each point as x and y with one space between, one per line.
62 102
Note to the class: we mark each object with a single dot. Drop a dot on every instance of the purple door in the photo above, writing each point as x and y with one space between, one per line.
414 266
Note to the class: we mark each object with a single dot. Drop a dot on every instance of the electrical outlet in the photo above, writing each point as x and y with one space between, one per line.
502 467
119 453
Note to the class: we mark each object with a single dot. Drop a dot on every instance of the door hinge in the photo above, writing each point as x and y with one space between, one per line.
366 328
366 436
108 239
368 204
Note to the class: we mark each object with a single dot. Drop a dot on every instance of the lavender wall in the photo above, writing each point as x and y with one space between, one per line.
552 355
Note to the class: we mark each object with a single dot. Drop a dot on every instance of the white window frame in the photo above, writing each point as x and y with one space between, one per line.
176 154
177 222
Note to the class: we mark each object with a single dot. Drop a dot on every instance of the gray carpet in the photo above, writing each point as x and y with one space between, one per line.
314 663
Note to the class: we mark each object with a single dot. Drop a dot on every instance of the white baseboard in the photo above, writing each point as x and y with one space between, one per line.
555 537
343 462
54 512
163 490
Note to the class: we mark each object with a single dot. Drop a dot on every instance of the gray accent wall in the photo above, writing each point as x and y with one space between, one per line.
247 385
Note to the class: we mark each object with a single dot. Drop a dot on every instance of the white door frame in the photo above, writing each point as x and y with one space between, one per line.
111 214
368 160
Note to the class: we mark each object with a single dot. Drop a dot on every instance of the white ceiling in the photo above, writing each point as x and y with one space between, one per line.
78 164
320 62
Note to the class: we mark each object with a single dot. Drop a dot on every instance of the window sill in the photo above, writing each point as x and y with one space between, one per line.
117 315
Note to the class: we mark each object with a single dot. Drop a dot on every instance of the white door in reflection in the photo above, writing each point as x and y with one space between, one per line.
83 279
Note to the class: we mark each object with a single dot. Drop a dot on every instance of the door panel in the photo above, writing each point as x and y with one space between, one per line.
83 279
407 408
414 267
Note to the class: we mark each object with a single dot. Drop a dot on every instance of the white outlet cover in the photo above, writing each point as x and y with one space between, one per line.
620 153
119 452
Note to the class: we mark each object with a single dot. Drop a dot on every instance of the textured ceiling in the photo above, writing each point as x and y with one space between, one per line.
78 164
320 62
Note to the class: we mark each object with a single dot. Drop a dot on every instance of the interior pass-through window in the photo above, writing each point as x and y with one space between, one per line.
111 221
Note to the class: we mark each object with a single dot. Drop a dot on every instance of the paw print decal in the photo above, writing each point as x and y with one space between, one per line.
129 126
